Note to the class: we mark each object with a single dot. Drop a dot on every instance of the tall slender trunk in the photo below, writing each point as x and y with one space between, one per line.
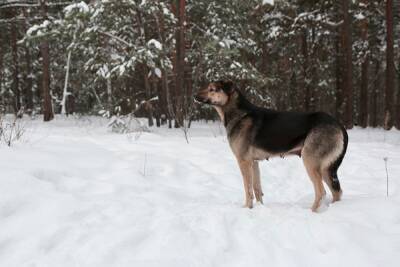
304 50
398 98
28 93
145 70
147 86
390 71
339 79
109 94
167 107
65 91
14 52
1 69
29 82
373 118
363 111
44 49
180 62
156 108
348 66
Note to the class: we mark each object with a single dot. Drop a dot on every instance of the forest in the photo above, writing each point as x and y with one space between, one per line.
147 57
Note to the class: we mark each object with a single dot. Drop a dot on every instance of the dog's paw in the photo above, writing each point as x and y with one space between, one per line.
320 206
248 204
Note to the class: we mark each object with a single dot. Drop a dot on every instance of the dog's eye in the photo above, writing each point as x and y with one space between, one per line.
212 90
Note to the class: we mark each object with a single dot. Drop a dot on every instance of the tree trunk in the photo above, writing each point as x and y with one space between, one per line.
398 99
390 71
149 109
166 102
363 111
180 62
156 108
145 70
109 94
304 50
339 79
348 64
373 118
29 83
44 49
65 91
28 93
14 52
1 69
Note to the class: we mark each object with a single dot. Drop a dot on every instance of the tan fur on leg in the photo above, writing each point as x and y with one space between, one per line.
316 179
246 170
257 182
319 190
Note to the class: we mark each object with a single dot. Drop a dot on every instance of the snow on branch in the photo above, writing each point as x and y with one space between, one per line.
27 4
116 38
270 2
155 43
12 19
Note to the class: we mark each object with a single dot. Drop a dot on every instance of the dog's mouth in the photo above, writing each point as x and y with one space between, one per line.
200 100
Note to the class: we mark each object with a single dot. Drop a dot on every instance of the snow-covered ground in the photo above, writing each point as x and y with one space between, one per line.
74 194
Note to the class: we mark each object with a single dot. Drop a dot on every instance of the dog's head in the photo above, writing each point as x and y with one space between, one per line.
216 93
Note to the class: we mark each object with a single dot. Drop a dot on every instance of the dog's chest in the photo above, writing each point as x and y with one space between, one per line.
242 149
259 154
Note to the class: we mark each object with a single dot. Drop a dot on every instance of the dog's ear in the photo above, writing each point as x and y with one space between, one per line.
227 87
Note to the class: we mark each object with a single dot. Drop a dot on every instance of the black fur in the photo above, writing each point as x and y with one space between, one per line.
227 86
285 130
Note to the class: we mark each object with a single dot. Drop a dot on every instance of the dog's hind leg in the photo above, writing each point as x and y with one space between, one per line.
247 173
334 159
257 182
319 189
321 154
316 178
331 179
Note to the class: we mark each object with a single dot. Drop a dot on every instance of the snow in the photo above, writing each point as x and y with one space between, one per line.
156 44
33 29
270 2
359 16
37 27
157 71
274 32
74 194
81 6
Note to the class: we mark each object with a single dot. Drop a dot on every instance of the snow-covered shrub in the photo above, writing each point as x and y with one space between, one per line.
11 131
126 124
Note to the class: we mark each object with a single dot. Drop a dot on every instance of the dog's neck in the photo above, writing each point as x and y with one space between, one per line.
230 114
220 112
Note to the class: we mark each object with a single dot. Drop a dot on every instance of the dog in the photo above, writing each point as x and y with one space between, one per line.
256 133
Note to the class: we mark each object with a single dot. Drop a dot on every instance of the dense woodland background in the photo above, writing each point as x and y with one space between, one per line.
148 57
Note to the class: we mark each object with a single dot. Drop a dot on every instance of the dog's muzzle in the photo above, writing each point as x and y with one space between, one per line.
198 99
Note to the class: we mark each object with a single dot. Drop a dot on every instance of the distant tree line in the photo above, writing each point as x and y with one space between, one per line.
148 57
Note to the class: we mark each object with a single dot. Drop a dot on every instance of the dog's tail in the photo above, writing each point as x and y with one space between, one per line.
335 165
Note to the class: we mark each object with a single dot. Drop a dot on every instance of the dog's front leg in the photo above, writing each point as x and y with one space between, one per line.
257 182
247 173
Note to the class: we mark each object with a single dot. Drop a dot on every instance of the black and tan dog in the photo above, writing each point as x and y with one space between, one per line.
256 133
